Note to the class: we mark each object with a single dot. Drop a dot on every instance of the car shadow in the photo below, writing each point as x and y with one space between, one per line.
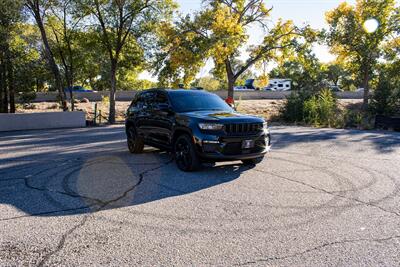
63 178
75 171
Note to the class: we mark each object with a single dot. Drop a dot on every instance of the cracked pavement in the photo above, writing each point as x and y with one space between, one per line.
322 197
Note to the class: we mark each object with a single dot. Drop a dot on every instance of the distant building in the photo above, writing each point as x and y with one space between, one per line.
280 84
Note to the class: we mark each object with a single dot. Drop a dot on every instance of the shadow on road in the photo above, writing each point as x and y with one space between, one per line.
62 172
79 171
379 141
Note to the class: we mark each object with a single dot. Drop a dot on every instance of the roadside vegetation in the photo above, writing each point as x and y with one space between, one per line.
53 45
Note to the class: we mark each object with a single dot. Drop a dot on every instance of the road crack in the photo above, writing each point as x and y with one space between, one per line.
324 245
370 204
64 237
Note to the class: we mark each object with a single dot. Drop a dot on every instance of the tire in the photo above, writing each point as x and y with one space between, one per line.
185 154
252 161
135 143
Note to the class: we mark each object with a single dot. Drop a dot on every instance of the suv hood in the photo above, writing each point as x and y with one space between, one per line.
223 116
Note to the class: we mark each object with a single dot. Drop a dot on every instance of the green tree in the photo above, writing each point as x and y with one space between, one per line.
39 9
208 82
122 23
10 15
357 44
63 26
303 68
336 74
221 31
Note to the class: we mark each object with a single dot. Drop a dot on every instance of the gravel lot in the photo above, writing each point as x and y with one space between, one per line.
322 197
263 107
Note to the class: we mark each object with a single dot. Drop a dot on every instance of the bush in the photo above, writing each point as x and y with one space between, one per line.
310 111
319 109
327 107
292 111
386 98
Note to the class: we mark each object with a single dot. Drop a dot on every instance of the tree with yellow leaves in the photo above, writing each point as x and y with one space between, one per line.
358 34
221 31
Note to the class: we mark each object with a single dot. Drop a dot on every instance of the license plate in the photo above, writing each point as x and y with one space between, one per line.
247 144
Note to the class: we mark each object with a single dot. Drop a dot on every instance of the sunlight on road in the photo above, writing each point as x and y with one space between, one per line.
107 180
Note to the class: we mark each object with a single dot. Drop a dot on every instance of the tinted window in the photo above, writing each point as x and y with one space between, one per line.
161 98
144 100
184 102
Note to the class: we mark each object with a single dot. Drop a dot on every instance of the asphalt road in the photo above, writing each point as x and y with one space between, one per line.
322 197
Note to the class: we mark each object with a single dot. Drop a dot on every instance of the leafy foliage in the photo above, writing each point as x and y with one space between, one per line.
315 109
386 98
353 44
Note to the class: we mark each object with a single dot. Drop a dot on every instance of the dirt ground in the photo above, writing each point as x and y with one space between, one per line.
269 109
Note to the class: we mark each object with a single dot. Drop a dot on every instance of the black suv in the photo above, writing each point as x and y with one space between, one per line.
196 126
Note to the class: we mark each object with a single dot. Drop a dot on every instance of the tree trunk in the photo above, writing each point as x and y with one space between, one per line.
69 86
2 85
366 91
111 115
5 88
11 86
52 63
230 77
231 84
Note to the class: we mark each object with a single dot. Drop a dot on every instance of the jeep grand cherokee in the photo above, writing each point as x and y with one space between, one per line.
197 126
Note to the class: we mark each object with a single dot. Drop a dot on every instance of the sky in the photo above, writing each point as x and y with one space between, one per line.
300 11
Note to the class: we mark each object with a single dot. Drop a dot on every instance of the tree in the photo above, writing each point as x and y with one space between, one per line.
350 38
183 52
334 73
303 68
63 23
221 31
208 83
122 22
38 9
10 15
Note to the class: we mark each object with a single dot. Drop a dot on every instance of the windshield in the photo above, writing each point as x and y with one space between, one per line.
195 102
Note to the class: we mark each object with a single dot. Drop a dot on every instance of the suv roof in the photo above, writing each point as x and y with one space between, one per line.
177 91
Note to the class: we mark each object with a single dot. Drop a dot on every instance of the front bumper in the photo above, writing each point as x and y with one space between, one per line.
226 148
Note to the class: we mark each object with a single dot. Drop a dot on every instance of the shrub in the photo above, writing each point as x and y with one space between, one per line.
327 107
353 119
292 111
319 109
310 111
386 98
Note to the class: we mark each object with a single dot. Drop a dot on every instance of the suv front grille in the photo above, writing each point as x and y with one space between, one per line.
243 128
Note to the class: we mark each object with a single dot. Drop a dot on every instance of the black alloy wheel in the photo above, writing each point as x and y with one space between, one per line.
135 143
185 154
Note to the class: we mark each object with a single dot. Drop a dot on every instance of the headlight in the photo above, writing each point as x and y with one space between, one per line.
211 126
